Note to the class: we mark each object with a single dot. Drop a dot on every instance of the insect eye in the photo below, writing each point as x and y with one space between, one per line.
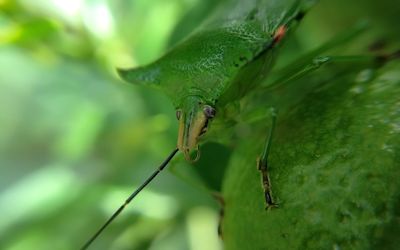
178 114
209 111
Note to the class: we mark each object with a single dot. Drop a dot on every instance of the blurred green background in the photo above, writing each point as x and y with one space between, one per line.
75 140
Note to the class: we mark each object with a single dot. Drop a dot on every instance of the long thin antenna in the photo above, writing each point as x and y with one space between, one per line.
130 198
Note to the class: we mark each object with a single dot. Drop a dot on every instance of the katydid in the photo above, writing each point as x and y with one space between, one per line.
222 61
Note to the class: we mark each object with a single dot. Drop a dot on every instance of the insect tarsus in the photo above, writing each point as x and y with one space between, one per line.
262 166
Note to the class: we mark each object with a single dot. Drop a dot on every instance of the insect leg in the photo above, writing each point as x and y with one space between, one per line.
262 166
312 60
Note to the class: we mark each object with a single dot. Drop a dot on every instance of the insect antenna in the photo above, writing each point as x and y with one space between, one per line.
130 198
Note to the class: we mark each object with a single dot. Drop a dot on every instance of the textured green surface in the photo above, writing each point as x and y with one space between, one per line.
335 153
210 61
74 140
334 168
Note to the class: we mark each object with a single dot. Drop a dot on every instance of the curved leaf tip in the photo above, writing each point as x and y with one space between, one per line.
123 73
140 75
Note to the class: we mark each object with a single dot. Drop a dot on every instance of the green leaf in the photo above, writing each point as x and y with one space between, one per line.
334 169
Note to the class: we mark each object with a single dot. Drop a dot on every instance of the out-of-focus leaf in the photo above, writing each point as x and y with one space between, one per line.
24 33
192 20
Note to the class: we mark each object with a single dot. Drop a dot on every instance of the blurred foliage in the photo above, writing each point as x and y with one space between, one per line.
75 140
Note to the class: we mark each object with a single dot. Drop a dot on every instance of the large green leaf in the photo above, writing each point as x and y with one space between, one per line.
334 160
334 168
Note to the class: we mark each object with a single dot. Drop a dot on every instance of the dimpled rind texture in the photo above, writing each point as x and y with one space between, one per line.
334 169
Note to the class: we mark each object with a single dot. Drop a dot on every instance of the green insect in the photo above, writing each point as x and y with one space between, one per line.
220 63
223 61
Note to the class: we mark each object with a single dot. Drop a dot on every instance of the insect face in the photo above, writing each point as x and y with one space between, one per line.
194 117
209 111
